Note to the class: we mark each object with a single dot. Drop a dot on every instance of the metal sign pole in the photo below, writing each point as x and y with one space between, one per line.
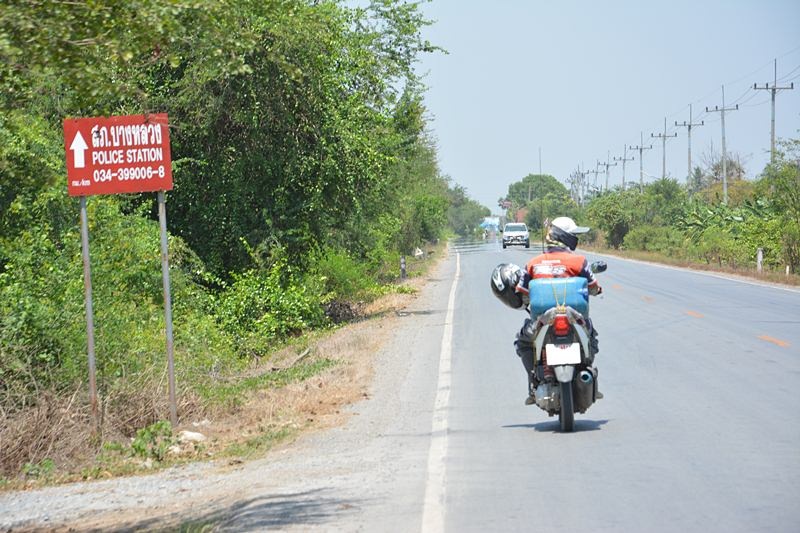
127 154
87 283
162 219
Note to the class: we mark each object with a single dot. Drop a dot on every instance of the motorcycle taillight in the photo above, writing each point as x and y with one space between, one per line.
561 325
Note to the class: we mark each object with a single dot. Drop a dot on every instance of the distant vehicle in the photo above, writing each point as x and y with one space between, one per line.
516 233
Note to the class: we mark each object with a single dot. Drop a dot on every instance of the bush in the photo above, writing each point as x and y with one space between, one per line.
266 305
43 324
153 441
662 239
344 277
719 246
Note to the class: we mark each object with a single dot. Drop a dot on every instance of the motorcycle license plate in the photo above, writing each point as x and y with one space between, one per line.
563 354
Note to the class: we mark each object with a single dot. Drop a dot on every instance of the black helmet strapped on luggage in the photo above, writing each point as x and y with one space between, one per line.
505 278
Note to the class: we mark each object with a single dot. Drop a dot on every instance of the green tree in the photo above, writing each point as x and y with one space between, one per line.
97 51
662 203
696 180
614 214
535 186
550 206
464 214
781 186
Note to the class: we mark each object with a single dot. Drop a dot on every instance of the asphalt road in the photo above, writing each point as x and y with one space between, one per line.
698 430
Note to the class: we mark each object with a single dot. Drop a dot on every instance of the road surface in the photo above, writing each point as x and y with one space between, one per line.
698 430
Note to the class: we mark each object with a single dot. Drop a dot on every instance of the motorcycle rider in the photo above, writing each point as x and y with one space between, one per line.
557 261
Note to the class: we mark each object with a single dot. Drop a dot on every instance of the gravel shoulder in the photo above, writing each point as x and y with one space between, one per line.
360 467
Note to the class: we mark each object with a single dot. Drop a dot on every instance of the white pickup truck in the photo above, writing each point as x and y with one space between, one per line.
516 233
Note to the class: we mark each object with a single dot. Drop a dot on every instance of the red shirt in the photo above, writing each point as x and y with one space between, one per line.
557 263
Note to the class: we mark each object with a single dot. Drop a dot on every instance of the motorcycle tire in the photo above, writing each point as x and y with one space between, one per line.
567 414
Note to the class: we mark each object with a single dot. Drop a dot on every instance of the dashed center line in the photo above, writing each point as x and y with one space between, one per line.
694 314
773 340
648 299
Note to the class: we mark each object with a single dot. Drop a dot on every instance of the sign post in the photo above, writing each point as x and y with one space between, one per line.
112 155
87 285
162 221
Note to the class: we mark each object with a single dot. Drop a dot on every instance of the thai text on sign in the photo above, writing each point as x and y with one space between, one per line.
121 154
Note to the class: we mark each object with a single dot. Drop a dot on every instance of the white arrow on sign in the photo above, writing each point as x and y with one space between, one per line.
79 148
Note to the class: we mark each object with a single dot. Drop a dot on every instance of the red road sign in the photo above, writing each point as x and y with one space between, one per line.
110 155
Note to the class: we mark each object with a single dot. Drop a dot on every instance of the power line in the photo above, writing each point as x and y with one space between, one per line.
577 185
758 104
790 79
773 89
641 148
741 96
689 125
663 137
624 159
607 164
757 70
742 100
595 172
752 96
721 111
788 74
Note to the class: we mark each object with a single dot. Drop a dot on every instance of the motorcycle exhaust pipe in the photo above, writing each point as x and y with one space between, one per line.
584 391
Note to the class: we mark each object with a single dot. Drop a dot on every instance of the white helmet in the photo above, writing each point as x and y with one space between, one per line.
565 231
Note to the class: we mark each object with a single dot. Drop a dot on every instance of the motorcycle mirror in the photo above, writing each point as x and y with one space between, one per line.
598 266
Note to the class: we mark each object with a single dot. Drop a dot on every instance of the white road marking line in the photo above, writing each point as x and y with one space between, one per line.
699 272
434 505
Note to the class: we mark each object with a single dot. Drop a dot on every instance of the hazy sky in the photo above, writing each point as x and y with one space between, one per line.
580 78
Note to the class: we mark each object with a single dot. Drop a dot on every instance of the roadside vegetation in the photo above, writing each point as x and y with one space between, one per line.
688 224
302 171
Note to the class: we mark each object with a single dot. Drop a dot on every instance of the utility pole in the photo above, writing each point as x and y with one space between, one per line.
575 186
721 111
641 149
607 164
689 125
540 160
773 90
594 181
572 183
581 176
663 137
624 159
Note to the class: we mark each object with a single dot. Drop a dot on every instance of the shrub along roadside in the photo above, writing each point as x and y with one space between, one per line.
225 334
764 215
681 260
297 132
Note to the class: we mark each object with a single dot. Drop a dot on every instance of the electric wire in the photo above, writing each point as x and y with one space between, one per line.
763 102
750 98
791 79
785 76
740 100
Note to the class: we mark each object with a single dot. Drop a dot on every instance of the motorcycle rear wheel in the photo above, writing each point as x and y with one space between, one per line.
567 414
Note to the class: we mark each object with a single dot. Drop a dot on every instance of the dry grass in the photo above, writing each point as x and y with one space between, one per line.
55 438
53 429
750 273
317 402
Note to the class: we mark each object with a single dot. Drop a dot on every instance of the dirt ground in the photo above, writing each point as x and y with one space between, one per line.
316 403
294 413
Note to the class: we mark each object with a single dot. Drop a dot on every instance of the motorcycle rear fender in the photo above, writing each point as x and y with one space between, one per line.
583 335
564 373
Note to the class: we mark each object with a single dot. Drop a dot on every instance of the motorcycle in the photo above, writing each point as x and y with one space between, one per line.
564 379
